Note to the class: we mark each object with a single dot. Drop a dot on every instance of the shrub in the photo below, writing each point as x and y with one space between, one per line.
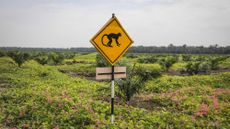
19 57
215 61
192 68
200 58
101 62
197 67
41 59
2 53
167 62
204 67
56 57
131 55
186 57
69 55
149 59
134 83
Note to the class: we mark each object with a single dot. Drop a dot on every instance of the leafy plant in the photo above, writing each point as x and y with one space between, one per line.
135 80
204 67
101 62
186 57
215 61
2 53
197 67
148 59
192 68
69 55
18 57
41 59
57 57
167 62
131 55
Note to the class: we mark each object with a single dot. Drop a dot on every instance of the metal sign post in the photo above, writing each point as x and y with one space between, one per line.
112 96
111 41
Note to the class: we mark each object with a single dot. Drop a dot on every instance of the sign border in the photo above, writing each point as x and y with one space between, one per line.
101 51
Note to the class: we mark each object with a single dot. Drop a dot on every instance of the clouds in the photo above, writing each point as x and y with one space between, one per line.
71 23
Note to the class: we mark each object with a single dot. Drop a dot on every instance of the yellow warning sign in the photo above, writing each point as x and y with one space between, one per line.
112 41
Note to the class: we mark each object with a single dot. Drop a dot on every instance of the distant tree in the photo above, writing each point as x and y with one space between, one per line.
148 59
19 57
42 59
215 61
101 62
131 55
186 57
167 62
197 67
69 55
56 57
192 68
2 53
204 67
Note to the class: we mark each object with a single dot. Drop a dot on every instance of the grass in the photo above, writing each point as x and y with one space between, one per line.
178 65
78 69
86 57
167 83
37 96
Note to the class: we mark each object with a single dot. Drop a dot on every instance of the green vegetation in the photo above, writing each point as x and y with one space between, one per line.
101 62
136 77
44 93
41 58
167 62
2 53
18 57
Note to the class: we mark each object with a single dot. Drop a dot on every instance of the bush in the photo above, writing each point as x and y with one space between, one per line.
192 68
148 71
215 61
204 67
167 62
2 53
69 55
101 62
19 57
56 57
197 67
150 59
41 59
186 57
134 83
131 55
200 58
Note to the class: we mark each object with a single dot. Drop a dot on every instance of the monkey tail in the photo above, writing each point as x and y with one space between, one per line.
102 39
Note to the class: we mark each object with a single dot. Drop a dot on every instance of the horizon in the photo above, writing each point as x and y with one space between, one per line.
130 46
69 23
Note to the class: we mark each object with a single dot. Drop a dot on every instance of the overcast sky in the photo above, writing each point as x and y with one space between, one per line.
72 23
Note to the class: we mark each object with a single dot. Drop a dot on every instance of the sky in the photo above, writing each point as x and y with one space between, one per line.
72 23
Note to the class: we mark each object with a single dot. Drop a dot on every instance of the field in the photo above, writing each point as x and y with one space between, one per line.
166 91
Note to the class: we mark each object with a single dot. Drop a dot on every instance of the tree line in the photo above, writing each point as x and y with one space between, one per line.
184 49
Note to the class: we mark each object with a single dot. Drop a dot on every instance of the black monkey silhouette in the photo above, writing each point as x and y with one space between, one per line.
110 37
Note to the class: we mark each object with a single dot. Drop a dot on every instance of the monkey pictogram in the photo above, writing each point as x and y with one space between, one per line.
110 37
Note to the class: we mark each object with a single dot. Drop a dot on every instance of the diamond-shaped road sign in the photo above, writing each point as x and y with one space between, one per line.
112 41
